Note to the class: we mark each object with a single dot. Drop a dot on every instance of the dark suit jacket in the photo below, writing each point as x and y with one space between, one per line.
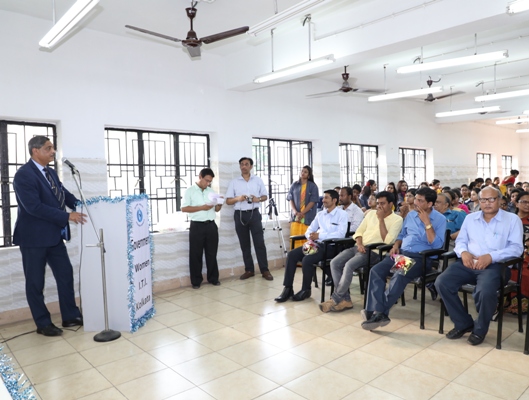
40 218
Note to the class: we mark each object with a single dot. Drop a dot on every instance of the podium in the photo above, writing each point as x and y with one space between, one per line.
128 261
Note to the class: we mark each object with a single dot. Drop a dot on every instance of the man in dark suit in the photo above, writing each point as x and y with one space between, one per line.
41 225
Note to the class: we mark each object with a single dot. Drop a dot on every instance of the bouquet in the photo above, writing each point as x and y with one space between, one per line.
310 247
402 264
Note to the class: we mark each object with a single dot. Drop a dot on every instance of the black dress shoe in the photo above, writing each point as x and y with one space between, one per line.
196 286
73 322
215 283
50 330
328 281
433 290
474 339
458 333
285 295
301 295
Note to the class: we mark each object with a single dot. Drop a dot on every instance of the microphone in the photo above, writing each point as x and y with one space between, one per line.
68 163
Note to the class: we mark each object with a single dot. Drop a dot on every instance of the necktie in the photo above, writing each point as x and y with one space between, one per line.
56 191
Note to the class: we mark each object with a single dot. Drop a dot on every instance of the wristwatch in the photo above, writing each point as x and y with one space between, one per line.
429 226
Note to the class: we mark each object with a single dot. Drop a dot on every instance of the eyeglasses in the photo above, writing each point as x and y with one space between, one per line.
524 202
487 199
503 205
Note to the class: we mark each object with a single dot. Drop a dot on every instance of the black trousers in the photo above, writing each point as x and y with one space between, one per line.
307 266
203 239
34 261
246 223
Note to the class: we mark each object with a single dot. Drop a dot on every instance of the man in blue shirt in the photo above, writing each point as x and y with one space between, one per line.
487 238
246 193
331 223
423 229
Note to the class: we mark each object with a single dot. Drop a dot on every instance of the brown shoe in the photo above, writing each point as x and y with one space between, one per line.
268 276
342 305
326 305
247 274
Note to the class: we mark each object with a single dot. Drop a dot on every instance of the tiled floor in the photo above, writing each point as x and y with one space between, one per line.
234 342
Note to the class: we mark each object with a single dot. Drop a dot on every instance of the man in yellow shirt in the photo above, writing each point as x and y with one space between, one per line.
382 226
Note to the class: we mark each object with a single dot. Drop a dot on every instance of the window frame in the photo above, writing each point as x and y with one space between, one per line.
146 172
347 170
506 171
405 168
7 196
485 174
262 153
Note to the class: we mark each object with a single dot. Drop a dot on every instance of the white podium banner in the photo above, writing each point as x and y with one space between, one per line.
128 264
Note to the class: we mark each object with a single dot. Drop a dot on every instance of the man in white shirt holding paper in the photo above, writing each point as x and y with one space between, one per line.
201 203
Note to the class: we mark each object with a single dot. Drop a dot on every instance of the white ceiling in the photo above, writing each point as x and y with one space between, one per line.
392 33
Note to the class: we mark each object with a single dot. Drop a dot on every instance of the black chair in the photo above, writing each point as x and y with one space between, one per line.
505 288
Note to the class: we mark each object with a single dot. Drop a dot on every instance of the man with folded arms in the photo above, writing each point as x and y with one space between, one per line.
487 238
331 223
381 226
423 229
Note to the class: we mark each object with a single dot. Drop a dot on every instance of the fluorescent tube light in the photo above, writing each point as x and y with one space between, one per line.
468 111
294 69
452 62
522 130
409 93
68 21
499 96
512 121
517 6
269 23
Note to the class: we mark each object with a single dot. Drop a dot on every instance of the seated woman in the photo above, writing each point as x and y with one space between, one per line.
402 188
473 205
456 204
408 204
369 188
303 197
436 185
465 194
356 195
372 204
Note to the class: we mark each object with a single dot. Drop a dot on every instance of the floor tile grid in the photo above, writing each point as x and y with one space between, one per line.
243 290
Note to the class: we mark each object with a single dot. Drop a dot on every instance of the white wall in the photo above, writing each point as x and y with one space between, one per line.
93 80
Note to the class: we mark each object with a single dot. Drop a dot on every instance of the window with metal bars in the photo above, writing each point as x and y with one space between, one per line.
160 164
483 163
278 163
14 138
412 166
358 164
506 166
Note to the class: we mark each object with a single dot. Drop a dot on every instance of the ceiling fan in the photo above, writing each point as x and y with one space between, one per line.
345 88
431 97
191 42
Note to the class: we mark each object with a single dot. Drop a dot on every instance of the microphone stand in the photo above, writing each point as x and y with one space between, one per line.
107 334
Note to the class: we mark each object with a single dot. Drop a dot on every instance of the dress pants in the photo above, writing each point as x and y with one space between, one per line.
342 268
34 261
307 262
247 222
485 295
203 239
379 298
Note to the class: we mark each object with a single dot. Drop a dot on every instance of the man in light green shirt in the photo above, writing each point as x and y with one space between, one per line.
201 204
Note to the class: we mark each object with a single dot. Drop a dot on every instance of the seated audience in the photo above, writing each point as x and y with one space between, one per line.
511 206
329 224
424 184
479 182
473 205
402 188
496 182
504 203
436 185
488 182
454 219
456 201
487 238
408 204
465 195
354 213
525 186
369 188
356 194
390 187
371 203
381 226
423 229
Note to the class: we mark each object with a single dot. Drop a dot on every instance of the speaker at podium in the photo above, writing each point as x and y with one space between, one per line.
128 263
